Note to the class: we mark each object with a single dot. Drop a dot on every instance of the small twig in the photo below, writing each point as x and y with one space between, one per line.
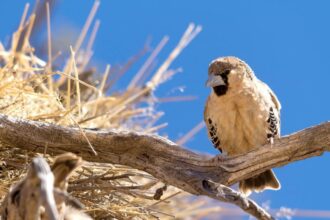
163 200
70 200
226 194
191 133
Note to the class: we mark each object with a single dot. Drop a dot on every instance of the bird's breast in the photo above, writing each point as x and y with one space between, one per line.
240 121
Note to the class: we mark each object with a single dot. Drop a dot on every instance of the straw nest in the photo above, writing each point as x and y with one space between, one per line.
77 95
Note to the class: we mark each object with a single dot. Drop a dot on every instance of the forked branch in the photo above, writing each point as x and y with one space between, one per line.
174 165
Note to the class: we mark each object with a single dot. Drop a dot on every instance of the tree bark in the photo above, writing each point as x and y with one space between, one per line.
174 165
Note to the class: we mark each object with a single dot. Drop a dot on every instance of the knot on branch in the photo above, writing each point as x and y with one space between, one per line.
159 192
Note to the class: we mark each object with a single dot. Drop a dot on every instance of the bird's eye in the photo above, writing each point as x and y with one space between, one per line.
225 73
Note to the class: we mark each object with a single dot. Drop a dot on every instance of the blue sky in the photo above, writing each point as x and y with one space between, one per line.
285 42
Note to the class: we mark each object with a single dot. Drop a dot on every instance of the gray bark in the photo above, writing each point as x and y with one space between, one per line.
174 165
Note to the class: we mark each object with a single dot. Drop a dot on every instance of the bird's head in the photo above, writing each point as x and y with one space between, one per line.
226 73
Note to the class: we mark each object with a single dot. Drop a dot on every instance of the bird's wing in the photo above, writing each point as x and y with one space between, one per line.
277 112
273 125
274 114
212 130
274 98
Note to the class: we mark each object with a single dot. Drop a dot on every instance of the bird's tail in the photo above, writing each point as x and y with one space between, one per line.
265 180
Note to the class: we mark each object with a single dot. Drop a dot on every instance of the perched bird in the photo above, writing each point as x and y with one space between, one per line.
241 113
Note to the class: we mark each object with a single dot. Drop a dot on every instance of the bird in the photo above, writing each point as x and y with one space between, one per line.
241 113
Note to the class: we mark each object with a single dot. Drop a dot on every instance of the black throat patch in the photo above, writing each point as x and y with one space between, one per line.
222 89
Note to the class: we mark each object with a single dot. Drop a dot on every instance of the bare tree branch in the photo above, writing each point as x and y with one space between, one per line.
223 193
167 161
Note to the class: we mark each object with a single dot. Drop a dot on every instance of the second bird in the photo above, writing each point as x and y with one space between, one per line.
241 113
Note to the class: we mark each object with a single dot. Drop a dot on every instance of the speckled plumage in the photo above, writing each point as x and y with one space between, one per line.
244 117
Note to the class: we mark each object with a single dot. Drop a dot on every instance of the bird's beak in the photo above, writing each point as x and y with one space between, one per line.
214 80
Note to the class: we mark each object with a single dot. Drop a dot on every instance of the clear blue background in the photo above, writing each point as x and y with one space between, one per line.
287 43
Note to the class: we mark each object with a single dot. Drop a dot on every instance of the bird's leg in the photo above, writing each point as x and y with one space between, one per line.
271 141
220 157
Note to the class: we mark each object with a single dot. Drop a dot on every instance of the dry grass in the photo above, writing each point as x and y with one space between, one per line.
77 96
